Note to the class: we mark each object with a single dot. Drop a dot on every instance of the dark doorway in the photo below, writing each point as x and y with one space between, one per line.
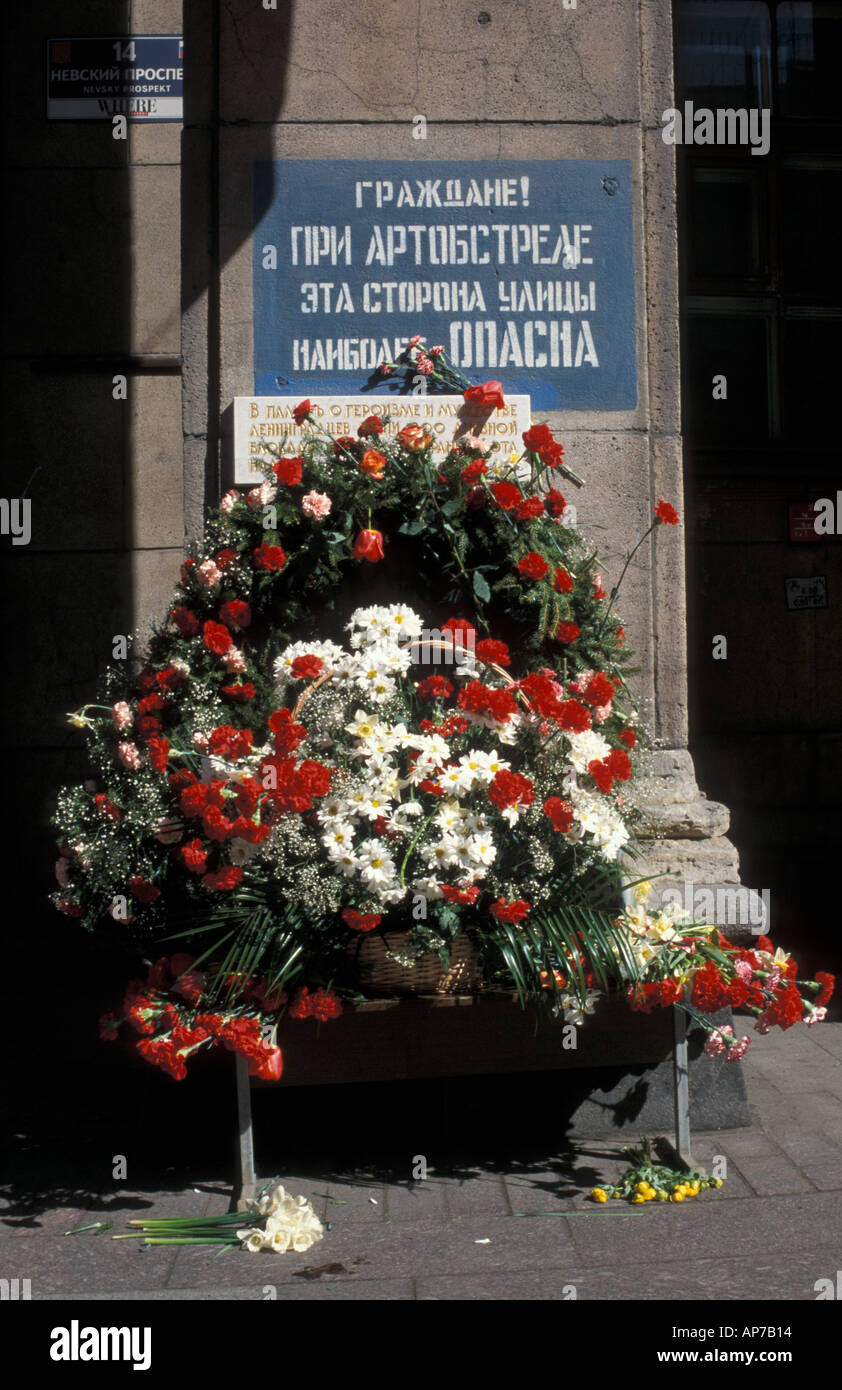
761 327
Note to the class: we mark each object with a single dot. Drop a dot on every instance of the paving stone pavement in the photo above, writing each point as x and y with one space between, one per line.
518 1229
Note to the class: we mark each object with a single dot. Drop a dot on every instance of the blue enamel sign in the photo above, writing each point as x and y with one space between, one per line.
521 269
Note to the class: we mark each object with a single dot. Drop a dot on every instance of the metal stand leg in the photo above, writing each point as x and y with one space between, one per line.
681 1082
248 1178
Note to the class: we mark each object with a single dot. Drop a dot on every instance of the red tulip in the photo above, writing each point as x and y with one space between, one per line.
368 546
489 393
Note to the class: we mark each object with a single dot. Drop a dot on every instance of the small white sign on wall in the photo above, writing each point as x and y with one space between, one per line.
267 421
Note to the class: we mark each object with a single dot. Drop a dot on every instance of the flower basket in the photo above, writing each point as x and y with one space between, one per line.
380 973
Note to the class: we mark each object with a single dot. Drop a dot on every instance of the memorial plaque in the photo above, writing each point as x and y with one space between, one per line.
268 420
521 269
137 76
806 592
802 522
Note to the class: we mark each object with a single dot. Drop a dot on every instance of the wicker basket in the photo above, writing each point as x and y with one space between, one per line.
381 975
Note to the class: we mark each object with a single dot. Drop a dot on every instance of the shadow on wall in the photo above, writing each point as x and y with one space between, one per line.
66 438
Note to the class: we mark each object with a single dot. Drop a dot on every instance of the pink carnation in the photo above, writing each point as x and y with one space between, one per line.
128 756
316 504
209 574
122 715
229 500
234 662
262 496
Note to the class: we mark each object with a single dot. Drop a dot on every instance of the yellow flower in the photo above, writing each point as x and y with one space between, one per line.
677 1196
638 1197
642 891
514 456
598 1195
717 1182
661 1195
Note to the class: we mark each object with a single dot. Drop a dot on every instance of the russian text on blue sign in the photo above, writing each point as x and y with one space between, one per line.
520 269
93 79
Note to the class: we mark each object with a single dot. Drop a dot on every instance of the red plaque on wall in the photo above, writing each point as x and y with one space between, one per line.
802 517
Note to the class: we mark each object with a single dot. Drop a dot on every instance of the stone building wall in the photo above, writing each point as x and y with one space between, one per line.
141 250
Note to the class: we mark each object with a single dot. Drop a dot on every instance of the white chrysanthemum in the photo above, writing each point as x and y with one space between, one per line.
443 853
587 747
375 863
368 625
450 817
481 850
332 810
453 780
375 805
339 840
428 888
403 622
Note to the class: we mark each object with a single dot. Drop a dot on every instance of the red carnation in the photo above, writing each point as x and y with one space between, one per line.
434 688
566 633
510 912
105 807
510 789
554 502
560 813
619 765
629 737
462 896
528 508
363 922
371 425
159 751
307 667
666 513
574 717
533 566
537 438
507 495
241 692
460 628
489 393
269 557
710 990
601 773
216 638
368 546
235 613
473 470
301 411
599 690
827 983
228 742
143 890
287 733
489 650
562 581
194 857
223 880
186 622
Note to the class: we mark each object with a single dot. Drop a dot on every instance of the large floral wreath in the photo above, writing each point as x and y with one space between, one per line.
267 796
